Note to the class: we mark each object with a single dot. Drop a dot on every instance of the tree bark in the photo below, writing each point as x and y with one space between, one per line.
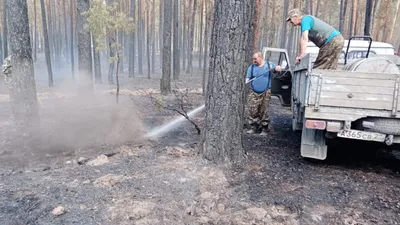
139 28
368 11
355 4
317 9
342 15
72 39
161 30
46 44
165 84
5 29
65 46
396 14
231 49
148 39
189 68
206 47
176 47
255 23
201 33
153 37
184 35
97 63
34 32
19 74
84 47
132 49
284 24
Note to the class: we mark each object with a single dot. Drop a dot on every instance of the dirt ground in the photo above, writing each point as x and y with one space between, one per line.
92 158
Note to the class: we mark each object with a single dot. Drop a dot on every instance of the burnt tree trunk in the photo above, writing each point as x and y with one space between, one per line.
46 43
132 49
84 47
165 84
19 72
232 41
176 46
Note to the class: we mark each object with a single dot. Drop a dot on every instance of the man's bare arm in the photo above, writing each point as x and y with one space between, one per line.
303 44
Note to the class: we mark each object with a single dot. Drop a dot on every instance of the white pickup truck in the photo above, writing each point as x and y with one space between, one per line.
359 101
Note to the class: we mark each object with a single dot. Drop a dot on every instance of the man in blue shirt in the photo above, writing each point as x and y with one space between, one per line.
259 75
329 40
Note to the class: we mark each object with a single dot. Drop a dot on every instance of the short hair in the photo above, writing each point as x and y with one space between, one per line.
258 54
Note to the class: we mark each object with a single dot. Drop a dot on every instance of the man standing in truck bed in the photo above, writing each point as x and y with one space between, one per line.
329 40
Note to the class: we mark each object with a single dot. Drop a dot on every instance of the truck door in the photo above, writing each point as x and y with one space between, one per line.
281 85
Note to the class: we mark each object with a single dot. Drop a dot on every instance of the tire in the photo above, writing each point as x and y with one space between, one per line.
385 125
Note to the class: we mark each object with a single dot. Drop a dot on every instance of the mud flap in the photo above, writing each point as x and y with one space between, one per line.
313 144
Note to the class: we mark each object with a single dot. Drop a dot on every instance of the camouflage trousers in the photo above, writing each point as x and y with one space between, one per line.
258 104
328 55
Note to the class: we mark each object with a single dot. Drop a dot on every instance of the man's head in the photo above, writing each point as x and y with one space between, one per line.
294 16
258 58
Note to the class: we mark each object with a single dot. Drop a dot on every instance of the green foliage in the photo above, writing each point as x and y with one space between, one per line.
104 21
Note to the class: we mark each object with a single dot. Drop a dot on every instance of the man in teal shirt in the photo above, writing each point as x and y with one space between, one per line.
259 75
329 40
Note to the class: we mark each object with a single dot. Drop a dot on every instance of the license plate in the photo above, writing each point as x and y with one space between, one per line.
362 135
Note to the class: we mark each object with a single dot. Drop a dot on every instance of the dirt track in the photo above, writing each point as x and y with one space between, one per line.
164 182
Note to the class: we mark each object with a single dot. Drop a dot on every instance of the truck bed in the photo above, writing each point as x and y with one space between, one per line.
346 95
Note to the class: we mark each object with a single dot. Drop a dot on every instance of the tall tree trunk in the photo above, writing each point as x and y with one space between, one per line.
255 24
20 73
84 47
284 23
46 43
396 14
231 49
311 7
161 30
148 39
97 63
5 29
34 32
184 35
111 65
140 39
342 15
351 21
153 37
176 47
72 38
374 16
165 84
317 9
307 6
189 68
368 11
355 4
65 30
206 47
201 33
132 41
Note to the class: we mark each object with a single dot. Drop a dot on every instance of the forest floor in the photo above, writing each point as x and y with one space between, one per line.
92 158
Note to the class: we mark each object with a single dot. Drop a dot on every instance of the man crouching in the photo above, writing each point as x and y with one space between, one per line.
259 75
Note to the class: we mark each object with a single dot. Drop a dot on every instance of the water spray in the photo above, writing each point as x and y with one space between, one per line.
173 124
